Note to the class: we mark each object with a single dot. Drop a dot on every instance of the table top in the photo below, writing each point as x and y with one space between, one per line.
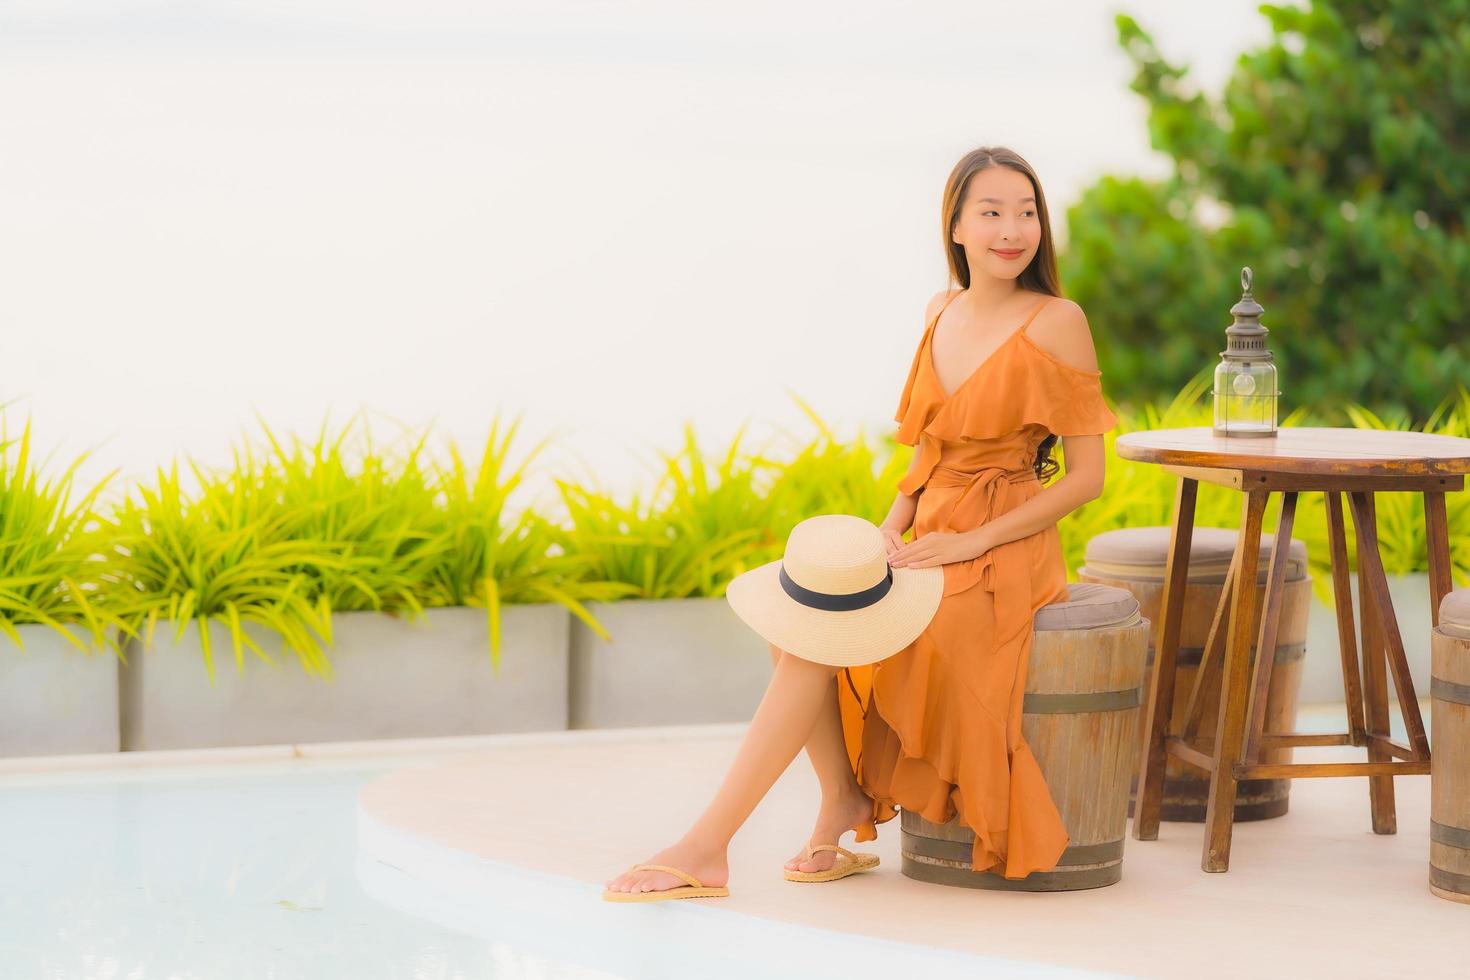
1304 449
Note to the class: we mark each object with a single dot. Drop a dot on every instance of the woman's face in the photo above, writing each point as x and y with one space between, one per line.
998 224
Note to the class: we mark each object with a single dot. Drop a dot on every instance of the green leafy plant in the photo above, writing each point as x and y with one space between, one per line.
703 524
374 510
48 549
484 556
827 475
1333 163
225 552
1402 541
286 537
282 539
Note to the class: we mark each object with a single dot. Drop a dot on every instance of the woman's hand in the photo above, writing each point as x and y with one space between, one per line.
892 538
941 548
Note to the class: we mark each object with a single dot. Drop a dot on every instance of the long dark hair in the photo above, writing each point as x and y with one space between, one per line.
1040 275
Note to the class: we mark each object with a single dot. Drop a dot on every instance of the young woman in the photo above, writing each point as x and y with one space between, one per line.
1004 367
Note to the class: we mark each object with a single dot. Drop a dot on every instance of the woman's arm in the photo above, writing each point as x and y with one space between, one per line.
905 505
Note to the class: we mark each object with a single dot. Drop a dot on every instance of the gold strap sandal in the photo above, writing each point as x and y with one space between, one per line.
694 889
847 863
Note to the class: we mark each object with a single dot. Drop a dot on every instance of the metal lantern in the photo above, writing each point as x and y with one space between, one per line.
1245 378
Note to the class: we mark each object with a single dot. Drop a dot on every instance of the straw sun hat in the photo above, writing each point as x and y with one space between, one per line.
833 598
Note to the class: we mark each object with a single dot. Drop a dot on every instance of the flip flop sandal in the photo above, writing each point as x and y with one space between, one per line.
694 889
848 863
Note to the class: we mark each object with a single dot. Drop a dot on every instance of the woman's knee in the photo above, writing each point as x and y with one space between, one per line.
800 663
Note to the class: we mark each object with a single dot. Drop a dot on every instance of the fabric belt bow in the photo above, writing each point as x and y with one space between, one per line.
1004 570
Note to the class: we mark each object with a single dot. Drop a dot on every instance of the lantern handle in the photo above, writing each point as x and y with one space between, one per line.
1245 279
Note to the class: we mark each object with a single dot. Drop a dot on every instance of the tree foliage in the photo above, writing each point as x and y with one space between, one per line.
1335 164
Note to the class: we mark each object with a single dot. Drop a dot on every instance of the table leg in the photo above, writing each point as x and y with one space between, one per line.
1270 624
1234 684
1342 599
1437 541
1375 686
1393 646
1153 757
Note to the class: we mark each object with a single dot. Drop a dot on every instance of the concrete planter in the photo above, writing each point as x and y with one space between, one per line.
54 699
393 678
670 662
1322 669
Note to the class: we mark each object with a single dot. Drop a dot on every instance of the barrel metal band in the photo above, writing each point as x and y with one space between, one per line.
958 850
1443 833
1036 881
1081 703
1449 881
1449 690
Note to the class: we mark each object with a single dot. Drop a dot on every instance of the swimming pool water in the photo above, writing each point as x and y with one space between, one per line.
242 872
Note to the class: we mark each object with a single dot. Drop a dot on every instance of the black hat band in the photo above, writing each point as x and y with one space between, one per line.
836 601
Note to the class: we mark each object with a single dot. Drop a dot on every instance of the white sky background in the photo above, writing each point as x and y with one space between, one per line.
608 217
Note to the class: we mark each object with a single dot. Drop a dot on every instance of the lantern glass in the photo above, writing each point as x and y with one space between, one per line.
1245 397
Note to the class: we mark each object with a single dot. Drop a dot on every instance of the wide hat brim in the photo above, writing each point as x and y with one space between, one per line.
846 638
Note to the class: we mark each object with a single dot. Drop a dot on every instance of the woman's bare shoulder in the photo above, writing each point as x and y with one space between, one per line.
937 301
1061 329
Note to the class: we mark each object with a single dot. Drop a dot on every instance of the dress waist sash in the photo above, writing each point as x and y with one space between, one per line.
1005 569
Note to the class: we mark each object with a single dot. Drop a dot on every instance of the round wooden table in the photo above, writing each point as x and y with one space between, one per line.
1336 461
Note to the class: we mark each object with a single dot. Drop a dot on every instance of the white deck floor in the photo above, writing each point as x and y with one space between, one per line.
1312 892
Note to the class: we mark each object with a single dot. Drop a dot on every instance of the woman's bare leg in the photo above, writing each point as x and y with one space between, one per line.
844 804
782 724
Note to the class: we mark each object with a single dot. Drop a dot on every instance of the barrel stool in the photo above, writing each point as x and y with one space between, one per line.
1085 687
1449 765
1133 558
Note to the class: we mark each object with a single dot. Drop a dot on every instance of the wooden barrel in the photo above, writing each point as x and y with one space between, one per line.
1084 695
1449 763
1186 789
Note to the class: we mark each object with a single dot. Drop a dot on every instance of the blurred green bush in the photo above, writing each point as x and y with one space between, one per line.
1335 165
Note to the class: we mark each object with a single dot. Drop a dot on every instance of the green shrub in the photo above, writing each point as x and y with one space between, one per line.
485 557
48 549
1332 163
227 551
701 526
285 537
828 474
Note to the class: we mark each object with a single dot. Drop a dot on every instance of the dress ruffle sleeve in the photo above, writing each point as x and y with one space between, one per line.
920 397
1081 411
1021 384
921 402
1039 389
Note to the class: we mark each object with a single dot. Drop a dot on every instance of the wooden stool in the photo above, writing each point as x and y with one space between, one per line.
1449 771
1084 689
1338 462
1134 558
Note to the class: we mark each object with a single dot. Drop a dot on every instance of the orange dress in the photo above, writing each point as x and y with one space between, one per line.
936 727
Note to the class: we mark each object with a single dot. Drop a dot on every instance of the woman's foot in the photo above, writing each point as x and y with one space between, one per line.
833 820
712 868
